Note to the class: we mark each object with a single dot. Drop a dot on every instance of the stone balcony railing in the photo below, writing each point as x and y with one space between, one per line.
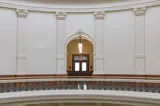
135 92
80 84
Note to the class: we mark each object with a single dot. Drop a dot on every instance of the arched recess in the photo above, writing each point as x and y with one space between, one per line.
72 52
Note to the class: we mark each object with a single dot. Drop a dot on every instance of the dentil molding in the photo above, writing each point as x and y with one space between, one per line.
22 12
139 11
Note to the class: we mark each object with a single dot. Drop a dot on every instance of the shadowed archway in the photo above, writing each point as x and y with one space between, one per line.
80 64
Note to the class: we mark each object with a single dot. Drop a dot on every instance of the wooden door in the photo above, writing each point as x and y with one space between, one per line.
80 62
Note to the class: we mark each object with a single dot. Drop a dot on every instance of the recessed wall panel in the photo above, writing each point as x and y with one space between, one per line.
119 42
8 41
41 43
152 40
83 21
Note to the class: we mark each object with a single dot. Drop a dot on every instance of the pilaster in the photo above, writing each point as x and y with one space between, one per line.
21 40
61 15
140 40
99 37
61 68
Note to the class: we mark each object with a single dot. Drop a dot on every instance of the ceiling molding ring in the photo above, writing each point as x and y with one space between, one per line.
78 1
72 96
78 8
78 99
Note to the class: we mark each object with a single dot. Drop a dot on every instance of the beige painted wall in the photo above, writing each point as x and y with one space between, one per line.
72 48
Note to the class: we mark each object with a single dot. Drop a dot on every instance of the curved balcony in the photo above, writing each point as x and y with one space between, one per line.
90 90
80 84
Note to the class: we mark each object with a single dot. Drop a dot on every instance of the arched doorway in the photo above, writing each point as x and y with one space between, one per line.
80 62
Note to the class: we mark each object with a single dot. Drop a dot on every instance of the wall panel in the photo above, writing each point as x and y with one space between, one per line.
152 40
83 21
41 43
8 41
119 42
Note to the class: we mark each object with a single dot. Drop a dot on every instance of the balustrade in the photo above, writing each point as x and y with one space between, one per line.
153 87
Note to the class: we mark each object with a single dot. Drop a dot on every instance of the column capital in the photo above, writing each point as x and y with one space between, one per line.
139 11
99 15
61 15
22 13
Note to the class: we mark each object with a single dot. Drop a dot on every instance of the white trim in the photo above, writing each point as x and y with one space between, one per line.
79 1
139 11
140 56
21 57
99 57
85 36
22 13
61 15
80 79
85 96
60 57
99 15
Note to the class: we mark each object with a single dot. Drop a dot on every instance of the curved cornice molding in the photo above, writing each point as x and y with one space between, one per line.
79 1
79 96
78 8
80 79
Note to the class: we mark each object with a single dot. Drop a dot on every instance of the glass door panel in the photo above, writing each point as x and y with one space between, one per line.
84 66
77 66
